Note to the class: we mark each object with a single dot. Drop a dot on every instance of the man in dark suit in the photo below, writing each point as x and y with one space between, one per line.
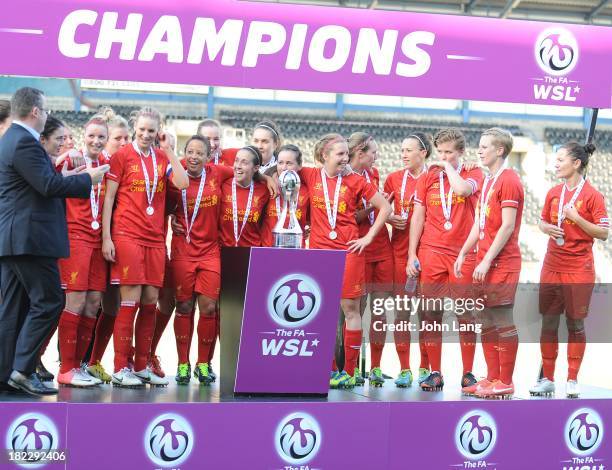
33 235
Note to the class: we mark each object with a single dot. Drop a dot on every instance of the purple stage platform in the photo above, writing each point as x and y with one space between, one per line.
192 427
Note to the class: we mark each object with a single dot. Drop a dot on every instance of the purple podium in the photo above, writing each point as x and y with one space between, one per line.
279 312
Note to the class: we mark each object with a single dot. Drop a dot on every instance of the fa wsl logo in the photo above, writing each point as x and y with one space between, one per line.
33 433
556 53
168 440
583 434
475 437
297 440
293 302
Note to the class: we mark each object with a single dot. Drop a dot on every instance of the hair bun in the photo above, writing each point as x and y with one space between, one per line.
590 148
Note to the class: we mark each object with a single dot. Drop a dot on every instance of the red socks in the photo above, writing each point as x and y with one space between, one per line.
549 346
377 343
84 332
182 332
489 339
467 341
507 346
145 327
352 346
68 333
402 346
123 333
207 331
576 344
104 331
433 343
161 321
424 358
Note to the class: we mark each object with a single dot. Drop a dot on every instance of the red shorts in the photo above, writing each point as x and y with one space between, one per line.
201 276
498 288
85 270
566 292
379 275
437 278
353 283
168 276
138 265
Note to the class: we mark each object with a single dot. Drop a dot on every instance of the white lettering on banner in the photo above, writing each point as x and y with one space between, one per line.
255 44
65 41
381 55
316 58
170 28
286 347
556 93
209 39
205 34
296 47
110 34
422 60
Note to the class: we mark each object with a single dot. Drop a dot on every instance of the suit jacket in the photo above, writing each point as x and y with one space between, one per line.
32 215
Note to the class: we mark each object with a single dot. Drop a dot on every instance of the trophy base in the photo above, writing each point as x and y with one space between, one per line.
287 240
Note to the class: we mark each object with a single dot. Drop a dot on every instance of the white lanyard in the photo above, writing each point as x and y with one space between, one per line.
217 154
332 212
447 201
560 215
363 199
272 162
149 189
484 199
94 198
404 212
196 207
247 211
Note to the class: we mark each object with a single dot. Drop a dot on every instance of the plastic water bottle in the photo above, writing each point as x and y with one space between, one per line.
411 282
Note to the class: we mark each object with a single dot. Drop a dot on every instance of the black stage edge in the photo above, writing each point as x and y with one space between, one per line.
196 393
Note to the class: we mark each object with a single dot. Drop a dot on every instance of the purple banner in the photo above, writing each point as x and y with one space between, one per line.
239 436
299 47
33 435
546 434
289 322
529 434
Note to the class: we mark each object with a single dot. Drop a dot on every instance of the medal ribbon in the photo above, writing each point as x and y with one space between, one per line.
196 207
247 211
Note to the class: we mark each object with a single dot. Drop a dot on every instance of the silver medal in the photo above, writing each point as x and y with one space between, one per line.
481 236
333 235
95 225
448 225
150 210
560 241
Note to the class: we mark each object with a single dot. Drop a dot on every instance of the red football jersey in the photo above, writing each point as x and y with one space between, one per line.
227 158
380 248
393 184
507 192
204 235
79 213
251 235
576 254
353 189
271 217
130 220
435 236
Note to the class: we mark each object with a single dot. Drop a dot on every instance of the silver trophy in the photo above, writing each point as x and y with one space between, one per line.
290 237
